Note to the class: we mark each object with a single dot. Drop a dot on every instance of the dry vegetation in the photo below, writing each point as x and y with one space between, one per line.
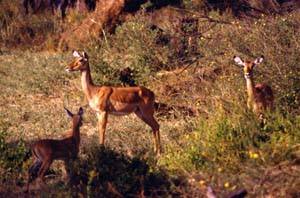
184 54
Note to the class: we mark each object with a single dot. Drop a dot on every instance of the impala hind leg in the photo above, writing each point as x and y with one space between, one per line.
32 173
102 121
44 168
150 120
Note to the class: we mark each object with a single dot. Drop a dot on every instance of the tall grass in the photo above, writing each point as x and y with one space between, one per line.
33 31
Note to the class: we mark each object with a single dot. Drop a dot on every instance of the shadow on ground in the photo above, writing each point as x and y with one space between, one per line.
98 172
106 173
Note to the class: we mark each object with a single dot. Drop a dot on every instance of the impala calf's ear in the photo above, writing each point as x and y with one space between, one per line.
85 56
69 114
259 60
80 112
75 53
238 60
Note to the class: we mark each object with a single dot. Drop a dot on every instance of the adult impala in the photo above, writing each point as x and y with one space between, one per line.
260 96
46 151
115 100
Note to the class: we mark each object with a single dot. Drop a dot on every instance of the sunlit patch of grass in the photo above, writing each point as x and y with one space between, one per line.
223 145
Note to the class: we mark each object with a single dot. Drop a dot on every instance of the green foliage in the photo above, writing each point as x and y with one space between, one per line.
133 45
108 173
12 156
223 145
268 36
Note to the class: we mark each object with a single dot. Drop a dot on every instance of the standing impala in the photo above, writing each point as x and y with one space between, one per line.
260 96
115 100
46 151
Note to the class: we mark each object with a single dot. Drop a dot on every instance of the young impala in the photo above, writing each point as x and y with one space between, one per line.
260 96
47 150
115 100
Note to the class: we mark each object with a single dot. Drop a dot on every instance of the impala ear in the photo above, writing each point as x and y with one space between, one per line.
259 60
84 55
76 54
69 113
238 60
80 112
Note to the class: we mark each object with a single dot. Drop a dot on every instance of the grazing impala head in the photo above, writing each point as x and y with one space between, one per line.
45 151
260 96
80 62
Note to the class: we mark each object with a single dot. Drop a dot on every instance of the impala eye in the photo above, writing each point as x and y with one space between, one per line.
81 60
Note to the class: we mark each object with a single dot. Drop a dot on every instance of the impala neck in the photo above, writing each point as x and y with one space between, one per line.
76 133
87 83
250 87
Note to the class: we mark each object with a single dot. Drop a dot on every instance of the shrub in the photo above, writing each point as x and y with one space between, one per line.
108 173
133 45
12 157
223 145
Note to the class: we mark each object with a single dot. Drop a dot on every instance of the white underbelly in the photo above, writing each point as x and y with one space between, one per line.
93 105
114 108
119 108
116 113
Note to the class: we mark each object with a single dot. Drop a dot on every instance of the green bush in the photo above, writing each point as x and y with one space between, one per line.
12 157
224 145
132 45
101 168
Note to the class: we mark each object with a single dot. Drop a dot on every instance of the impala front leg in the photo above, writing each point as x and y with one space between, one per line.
102 120
249 103
157 142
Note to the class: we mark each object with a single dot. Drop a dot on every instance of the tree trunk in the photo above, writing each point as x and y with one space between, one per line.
106 12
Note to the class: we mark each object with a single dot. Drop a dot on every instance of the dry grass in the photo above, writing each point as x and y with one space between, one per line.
35 90
223 145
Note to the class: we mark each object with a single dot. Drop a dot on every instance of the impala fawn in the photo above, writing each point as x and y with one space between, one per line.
115 100
47 150
260 96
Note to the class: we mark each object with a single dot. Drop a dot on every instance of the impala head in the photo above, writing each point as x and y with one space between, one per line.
77 118
247 65
80 62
